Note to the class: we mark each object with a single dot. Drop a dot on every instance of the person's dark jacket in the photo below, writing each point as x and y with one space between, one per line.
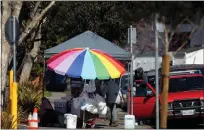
111 90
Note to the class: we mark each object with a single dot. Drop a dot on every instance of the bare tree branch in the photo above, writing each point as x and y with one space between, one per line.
186 40
17 5
35 9
31 24
166 31
159 36
173 32
193 30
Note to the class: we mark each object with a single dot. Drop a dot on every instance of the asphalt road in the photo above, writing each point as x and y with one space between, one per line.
181 124
185 124
177 124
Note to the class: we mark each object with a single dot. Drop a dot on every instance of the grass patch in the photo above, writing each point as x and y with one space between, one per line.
47 94
67 92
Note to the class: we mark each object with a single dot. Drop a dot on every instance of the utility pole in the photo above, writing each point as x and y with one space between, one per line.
131 69
157 74
131 40
128 92
1 101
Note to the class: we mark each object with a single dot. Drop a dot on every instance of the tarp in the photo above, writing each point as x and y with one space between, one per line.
93 41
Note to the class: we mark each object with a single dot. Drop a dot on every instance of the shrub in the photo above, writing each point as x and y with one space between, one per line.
29 96
6 119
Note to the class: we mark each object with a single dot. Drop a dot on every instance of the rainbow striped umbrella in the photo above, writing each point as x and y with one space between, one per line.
86 63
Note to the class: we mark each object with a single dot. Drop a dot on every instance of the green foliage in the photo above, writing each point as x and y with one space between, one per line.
110 19
6 118
47 94
68 19
29 96
37 70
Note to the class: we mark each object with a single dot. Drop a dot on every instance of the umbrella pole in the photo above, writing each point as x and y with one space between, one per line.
84 111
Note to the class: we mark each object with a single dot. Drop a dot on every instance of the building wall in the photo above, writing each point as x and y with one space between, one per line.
147 63
179 58
195 57
197 37
178 61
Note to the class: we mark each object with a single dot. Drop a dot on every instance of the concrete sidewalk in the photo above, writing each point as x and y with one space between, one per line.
103 123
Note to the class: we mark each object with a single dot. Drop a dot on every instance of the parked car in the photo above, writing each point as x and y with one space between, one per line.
187 67
185 98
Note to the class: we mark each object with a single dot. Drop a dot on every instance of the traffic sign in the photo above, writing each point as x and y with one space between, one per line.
132 35
12 30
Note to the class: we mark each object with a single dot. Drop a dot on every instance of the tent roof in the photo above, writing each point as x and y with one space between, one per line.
93 41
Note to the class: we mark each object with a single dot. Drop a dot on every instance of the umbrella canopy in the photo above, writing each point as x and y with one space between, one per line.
86 63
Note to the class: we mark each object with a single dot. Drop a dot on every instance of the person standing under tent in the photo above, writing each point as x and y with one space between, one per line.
111 90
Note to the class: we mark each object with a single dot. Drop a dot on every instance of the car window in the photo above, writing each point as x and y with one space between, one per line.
141 90
151 81
186 84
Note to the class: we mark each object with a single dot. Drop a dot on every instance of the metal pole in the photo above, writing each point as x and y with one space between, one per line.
128 96
44 69
14 87
157 74
1 101
131 70
14 50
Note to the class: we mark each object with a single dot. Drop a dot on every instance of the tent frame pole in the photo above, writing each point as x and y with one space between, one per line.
44 67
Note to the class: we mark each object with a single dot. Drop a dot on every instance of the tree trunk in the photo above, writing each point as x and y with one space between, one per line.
29 59
165 80
5 49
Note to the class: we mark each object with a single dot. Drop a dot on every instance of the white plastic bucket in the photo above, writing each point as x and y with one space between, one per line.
71 121
65 118
129 122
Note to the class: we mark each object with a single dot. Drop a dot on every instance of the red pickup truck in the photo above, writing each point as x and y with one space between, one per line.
185 99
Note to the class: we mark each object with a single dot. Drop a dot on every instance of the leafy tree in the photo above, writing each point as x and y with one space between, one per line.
111 19
30 16
69 19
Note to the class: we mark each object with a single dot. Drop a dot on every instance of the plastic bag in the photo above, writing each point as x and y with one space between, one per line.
99 98
100 102
101 105
118 100
76 103
94 110
83 107
89 107
86 86
83 103
104 111
92 86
